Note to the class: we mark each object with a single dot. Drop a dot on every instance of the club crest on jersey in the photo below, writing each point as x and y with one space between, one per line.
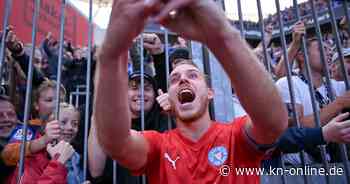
217 155
19 134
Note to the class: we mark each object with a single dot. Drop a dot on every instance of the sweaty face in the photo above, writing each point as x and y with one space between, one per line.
8 119
189 94
69 121
134 93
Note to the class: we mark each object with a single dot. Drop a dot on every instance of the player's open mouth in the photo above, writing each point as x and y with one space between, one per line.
186 95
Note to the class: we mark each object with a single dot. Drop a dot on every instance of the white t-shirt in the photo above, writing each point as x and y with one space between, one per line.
302 94
302 97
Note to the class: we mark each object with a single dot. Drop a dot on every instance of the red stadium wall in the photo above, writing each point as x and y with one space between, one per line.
76 29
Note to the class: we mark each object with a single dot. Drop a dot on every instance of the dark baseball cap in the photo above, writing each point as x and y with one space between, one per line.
147 73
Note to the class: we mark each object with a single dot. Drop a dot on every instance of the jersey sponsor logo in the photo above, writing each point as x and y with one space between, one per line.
218 155
17 136
172 162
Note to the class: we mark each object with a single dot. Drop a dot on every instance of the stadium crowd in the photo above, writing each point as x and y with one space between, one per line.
54 150
288 14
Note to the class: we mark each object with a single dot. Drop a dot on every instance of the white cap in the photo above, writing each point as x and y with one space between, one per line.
346 52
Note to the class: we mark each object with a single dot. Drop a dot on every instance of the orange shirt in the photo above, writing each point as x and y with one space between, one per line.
11 152
174 159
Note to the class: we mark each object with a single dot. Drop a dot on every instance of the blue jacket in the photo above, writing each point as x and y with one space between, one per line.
294 140
75 173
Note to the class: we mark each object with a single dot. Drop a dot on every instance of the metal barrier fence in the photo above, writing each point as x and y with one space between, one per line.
80 91
84 90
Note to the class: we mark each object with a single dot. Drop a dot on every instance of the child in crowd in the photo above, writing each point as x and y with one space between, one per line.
43 106
57 163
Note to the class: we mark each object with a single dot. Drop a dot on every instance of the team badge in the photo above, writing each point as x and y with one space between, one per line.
19 134
217 155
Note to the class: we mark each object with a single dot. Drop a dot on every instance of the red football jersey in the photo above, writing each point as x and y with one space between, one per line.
174 159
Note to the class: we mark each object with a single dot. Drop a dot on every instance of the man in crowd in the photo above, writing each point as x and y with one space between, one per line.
101 168
16 47
50 48
194 152
328 109
336 70
8 121
299 30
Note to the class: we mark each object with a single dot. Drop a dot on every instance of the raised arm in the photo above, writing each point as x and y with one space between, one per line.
156 48
259 98
96 157
45 45
111 108
298 31
204 21
17 52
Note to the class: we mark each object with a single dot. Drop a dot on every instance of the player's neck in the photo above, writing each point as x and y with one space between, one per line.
196 129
